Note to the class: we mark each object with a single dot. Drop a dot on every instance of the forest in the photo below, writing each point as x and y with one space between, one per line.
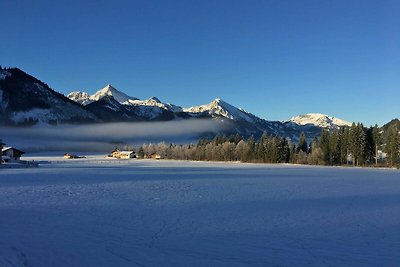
354 146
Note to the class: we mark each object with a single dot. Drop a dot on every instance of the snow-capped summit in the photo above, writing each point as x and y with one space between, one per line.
319 120
85 99
82 98
153 102
155 99
218 107
111 91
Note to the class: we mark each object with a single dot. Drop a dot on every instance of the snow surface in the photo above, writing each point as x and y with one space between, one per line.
319 120
107 212
39 113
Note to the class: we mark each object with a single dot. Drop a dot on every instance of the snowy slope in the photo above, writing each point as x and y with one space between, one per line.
109 90
24 100
85 99
82 98
221 108
101 212
319 120
58 111
150 109
131 107
153 102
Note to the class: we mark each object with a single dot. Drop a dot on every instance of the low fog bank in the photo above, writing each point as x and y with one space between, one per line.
105 136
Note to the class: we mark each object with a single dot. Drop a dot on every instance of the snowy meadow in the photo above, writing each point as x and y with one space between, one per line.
107 212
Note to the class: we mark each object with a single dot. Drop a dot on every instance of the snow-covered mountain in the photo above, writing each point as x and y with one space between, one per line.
125 108
153 102
319 120
132 108
220 108
82 98
85 99
25 100
109 90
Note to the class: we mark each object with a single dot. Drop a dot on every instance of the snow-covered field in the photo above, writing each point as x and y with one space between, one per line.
98 212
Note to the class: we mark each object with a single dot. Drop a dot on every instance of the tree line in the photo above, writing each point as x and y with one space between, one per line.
355 145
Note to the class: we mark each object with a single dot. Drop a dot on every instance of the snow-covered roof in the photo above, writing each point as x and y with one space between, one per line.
127 152
13 148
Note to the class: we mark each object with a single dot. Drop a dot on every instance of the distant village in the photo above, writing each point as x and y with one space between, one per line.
130 154
119 154
10 157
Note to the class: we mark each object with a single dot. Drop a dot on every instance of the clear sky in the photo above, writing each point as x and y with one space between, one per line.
274 58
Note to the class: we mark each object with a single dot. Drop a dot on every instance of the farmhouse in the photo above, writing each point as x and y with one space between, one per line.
11 154
126 154
155 156
72 156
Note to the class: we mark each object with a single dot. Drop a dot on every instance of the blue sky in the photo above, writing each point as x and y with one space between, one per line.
276 59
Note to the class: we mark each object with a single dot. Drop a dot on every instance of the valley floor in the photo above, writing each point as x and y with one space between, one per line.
103 212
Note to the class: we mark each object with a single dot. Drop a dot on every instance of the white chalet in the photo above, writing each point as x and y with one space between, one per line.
127 155
11 154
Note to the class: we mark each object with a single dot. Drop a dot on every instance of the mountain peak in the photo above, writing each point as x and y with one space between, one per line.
155 99
319 120
220 108
111 91
82 98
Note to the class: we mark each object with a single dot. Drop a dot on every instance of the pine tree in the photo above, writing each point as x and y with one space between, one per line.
261 148
393 146
325 147
344 144
369 145
303 146
357 144
377 141
334 148
251 149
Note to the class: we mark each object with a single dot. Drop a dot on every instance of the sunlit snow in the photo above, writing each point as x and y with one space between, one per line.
101 212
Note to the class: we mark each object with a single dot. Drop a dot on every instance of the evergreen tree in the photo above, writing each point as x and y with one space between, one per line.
251 149
303 146
335 148
357 144
369 145
393 147
344 144
261 148
377 141
325 147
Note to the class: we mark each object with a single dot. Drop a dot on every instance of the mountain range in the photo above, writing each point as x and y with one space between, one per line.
27 101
